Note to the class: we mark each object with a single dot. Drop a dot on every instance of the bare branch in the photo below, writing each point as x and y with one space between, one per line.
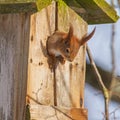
119 4
112 56
100 81
115 110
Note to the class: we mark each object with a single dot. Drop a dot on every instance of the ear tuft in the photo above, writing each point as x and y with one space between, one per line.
88 37
70 33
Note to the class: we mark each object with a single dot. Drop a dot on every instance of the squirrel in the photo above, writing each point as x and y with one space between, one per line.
65 46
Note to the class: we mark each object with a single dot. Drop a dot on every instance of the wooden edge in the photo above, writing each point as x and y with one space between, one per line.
94 11
23 6
108 9
43 111
17 7
79 113
85 8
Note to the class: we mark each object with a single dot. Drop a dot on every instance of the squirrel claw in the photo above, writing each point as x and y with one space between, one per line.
61 60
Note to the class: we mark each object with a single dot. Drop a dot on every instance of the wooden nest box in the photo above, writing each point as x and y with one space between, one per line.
24 28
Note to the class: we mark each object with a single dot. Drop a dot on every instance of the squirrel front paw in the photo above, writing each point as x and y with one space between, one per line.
61 60
52 62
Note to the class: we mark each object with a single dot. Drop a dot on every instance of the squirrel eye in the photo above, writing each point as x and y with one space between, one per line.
68 50
66 42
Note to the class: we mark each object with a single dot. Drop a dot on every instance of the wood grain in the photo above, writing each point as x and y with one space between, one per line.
14 37
69 77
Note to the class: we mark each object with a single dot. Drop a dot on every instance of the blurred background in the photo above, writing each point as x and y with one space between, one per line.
100 46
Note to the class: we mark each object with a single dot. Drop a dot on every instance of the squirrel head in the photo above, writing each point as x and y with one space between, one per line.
70 44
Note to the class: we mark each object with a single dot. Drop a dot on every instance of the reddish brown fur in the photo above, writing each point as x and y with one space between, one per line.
74 47
66 45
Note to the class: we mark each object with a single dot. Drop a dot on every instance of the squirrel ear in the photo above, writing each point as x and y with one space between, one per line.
86 38
70 33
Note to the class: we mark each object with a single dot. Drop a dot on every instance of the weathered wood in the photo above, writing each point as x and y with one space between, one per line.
58 113
40 78
17 6
14 37
92 11
69 77
79 114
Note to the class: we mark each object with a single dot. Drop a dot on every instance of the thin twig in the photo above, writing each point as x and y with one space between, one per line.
115 110
54 107
112 56
100 81
119 5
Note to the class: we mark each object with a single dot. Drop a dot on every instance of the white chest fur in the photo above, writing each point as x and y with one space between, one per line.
55 52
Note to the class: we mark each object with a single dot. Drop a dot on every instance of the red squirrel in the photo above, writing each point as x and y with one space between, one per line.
65 46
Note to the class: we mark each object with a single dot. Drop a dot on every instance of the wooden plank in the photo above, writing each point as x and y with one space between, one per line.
57 113
94 11
69 77
79 114
40 78
14 37
18 6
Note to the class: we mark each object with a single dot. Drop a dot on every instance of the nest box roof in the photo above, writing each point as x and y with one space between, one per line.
92 11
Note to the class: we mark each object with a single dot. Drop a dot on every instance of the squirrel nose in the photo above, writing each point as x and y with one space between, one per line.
70 59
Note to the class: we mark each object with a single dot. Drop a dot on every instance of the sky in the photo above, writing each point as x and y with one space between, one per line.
100 45
94 102
101 42
101 52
